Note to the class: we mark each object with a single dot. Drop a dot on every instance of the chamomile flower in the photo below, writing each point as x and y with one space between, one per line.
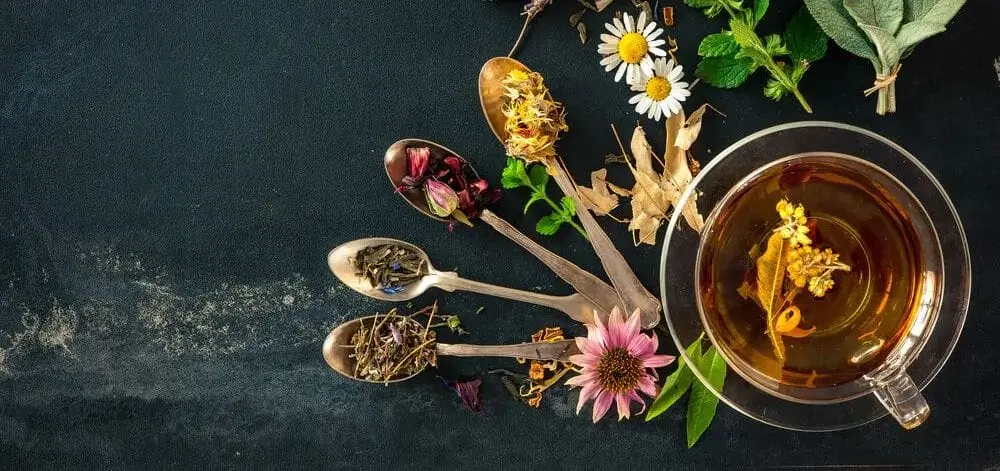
662 91
629 47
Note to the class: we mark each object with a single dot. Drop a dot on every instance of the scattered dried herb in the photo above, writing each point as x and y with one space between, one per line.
884 32
450 184
729 57
468 392
536 178
389 267
531 9
668 16
542 375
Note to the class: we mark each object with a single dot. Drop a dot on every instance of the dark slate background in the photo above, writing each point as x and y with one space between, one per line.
173 175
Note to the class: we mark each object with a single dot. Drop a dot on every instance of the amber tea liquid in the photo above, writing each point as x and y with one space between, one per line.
867 220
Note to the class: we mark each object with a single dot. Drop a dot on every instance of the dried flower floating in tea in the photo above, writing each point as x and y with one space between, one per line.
389 267
450 184
790 255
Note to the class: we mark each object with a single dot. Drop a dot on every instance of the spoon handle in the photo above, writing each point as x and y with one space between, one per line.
577 307
591 287
558 350
634 295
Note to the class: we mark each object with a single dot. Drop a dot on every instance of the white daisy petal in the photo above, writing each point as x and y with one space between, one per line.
654 111
620 26
621 71
657 51
671 64
665 108
680 86
680 95
649 28
613 30
605 49
673 105
609 39
643 105
675 74
647 65
629 23
657 42
654 35
635 98
640 24
611 61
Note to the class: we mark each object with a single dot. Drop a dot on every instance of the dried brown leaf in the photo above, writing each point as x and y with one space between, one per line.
602 4
692 127
597 198
674 124
770 280
642 152
581 29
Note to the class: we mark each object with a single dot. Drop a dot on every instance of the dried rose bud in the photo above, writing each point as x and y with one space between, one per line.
416 160
441 199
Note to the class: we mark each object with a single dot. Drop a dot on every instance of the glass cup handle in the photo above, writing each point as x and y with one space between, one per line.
897 392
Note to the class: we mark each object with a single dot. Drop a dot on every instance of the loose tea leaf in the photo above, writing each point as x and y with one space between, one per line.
389 267
702 403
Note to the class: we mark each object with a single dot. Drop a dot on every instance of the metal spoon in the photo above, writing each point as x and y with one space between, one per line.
336 350
574 305
589 286
622 277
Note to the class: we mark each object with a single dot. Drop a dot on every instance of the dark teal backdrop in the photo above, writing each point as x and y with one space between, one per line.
172 175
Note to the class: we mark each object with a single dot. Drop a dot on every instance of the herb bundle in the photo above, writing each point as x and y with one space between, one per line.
729 57
884 32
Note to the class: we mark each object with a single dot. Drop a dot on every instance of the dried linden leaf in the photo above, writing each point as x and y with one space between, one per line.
770 280
597 198
692 127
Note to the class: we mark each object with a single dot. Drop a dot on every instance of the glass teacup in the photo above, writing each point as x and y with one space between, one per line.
893 368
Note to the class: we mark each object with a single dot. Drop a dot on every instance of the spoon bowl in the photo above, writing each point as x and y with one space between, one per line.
491 95
340 264
396 169
337 350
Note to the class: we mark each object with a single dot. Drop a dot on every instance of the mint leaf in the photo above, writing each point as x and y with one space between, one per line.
548 225
774 45
568 207
750 45
840 27
775 90
513 175
717 45
536 195
886 14
677 383
538 176
714 7
759 8
804 38
702 403
725 72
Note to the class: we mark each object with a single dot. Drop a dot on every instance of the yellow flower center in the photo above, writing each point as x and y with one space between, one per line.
658 88
619 372
632 47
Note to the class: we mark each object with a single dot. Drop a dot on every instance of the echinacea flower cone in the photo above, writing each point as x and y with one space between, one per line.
617 362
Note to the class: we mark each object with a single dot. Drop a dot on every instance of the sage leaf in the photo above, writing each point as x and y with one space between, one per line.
840 27
912 33
677 383
888 50
804 38
934 11
702 403
886 14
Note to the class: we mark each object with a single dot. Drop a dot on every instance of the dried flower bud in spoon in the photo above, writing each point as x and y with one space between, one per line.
450 184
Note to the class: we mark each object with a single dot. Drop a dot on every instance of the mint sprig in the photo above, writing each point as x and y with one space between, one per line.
517 175
729 57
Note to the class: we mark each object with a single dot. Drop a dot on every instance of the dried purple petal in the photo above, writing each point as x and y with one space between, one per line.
468 392
396 335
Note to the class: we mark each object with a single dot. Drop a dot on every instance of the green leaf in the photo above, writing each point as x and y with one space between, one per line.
886 14
888 50
538 176
548 225
759 8
725 72
750 45
677 383
513 175
568 207
933 11
717 45
714 7
535 196
702 403
804 38
774 45
775 90
840 27
913 33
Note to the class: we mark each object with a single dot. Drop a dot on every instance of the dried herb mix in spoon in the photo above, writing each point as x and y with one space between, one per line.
450 184
389 267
